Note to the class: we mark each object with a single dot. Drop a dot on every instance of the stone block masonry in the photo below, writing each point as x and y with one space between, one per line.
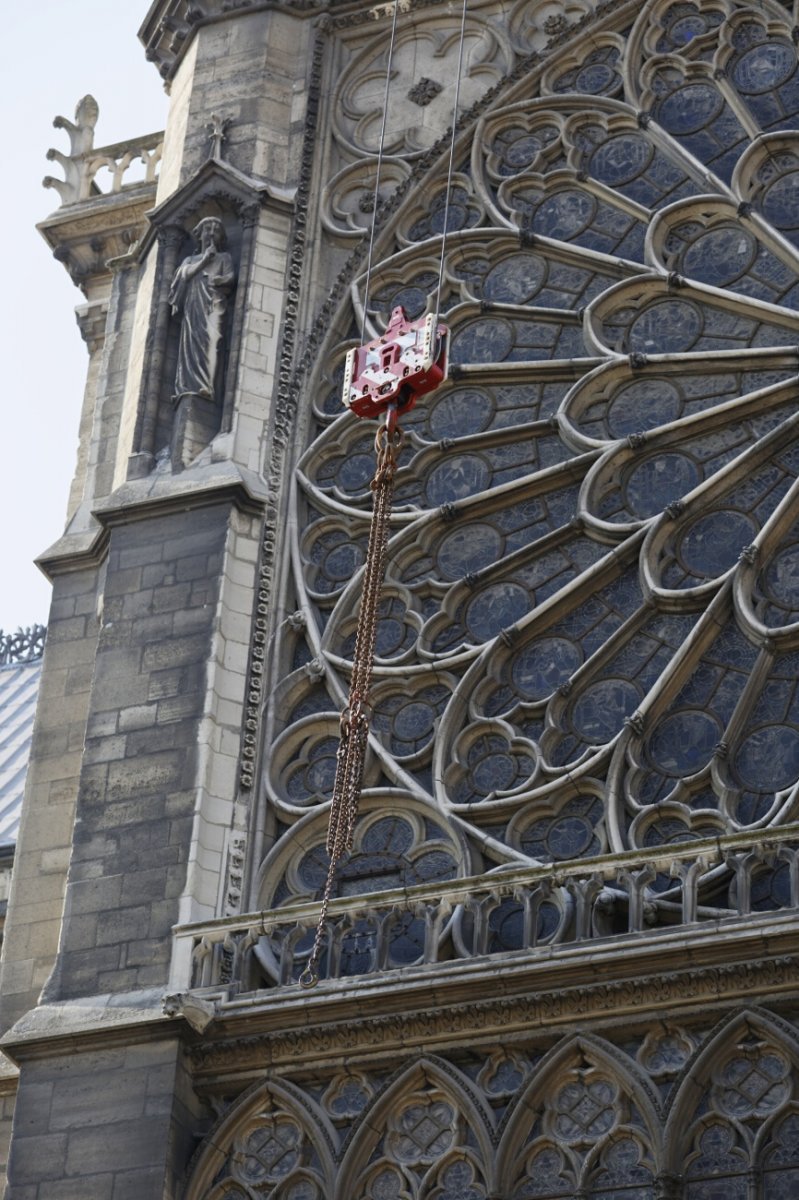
137 790
43 848
101 1122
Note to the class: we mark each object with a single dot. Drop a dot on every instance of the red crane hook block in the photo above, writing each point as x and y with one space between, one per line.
407 361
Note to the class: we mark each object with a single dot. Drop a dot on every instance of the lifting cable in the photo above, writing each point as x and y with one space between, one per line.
383 378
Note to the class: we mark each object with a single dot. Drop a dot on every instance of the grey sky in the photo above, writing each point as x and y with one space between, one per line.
53 53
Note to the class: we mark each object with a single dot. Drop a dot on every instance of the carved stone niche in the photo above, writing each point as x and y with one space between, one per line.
203 238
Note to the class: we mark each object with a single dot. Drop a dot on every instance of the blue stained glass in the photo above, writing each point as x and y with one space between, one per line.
391 834
495 608
764 67
599 712
781 579
521 152
456 478
769 758
713 543
566 214
468 549
540 669
391 637
437 864
495 772
596 79
316 778
344 560
357 949
689 108
516 280
781 201
720 256
643 404
771 889
670 326
489 340
658 481
684 30
507 927
460 412
406 939
355 472
684 742
570 837
621 158
414 720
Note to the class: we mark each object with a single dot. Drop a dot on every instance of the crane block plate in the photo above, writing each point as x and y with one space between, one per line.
405 362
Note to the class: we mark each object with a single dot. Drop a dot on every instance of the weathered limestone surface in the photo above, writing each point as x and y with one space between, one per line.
111 1123
136 794
44 846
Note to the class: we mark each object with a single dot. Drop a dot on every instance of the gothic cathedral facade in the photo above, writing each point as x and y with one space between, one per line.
561 959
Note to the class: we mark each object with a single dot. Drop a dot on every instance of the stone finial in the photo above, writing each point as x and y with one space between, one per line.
217 128
81 144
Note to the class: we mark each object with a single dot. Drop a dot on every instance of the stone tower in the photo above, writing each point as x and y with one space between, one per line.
561 961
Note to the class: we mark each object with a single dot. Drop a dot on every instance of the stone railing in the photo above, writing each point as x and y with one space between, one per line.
25 645
84 162
513 911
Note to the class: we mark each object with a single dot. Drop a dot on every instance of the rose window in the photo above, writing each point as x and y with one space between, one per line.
589 634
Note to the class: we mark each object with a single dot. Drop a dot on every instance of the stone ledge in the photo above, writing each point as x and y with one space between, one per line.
260 1032
111 1020
154 495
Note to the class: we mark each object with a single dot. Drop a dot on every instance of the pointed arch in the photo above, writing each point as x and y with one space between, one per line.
697 1083
450 1100
301 1139
609 1089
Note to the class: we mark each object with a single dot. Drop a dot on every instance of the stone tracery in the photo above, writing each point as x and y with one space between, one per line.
587 1119
588 638
528 633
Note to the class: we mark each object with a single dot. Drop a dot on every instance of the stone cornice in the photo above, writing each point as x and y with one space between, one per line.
543 993
197 487
432 1023
74 552
169 27
155 495
58 1028
88 235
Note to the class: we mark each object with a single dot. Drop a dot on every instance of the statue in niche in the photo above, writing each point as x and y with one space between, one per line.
200 293
200 290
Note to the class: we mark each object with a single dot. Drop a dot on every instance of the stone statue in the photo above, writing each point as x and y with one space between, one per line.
201 289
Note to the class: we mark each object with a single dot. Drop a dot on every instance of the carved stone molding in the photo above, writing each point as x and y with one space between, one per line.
470 1021
91 320
169 27
285 405
92 237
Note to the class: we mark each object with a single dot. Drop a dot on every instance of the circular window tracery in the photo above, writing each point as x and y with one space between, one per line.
590 542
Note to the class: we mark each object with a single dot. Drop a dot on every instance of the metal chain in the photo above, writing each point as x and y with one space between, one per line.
351 753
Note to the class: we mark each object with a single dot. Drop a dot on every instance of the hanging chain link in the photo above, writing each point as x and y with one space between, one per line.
351 753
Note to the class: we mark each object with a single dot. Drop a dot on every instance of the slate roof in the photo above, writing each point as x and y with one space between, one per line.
19 688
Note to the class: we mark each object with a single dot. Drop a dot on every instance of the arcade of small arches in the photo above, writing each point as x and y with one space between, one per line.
670 1114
